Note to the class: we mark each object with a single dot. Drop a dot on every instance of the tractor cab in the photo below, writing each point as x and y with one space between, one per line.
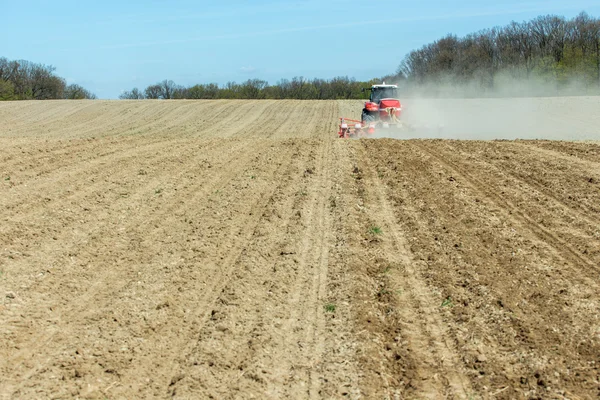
380 92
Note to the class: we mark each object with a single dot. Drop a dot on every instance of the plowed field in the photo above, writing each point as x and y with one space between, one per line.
231 249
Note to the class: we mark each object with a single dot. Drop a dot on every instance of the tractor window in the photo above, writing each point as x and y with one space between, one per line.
384 93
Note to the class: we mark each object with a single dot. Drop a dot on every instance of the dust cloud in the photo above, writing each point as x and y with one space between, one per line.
514 109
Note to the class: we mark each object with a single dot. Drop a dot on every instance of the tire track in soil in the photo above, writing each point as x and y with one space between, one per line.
29 207
543 190
581 169
438 364
223 276
28 215
334 369
78 305
124 118
248 276
140 192
79 198
341 371
364 327
519 331
586 215
583 163
9 149
580 269
217 275
559 245
240 161
238 119
322 230
142 120
252 274
265 124
318 226
60 176
39 113
74 124
561 150
303 346
304 280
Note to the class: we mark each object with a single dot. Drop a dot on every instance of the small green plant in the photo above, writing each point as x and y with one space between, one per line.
375 230
252 176
158 191
330 308
7 178
447 302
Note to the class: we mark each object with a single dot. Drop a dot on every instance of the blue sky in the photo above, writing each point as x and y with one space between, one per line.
109 46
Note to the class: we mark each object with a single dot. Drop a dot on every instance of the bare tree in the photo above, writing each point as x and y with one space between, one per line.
167 88
153 92
78 92
134 94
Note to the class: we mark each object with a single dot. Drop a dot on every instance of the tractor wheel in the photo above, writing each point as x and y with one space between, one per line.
367 117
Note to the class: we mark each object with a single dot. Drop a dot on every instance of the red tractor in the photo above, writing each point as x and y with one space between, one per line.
383 107
383 110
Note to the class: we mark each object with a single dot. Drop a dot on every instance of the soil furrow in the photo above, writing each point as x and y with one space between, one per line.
111 281
229 277
422 326
571 151
305 324
496 284
35 183
559 245
564 207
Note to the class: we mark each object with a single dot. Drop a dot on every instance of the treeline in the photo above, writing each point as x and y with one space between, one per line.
296 88
550 48
546 55
25 80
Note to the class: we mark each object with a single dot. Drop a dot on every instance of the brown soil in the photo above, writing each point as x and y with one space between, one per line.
231 249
